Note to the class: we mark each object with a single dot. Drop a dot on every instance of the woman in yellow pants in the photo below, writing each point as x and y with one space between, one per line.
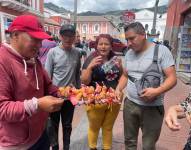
102 67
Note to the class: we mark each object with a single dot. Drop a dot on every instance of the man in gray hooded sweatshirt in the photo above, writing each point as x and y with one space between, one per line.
63 66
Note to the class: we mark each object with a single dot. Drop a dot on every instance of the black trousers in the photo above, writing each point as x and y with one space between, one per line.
42 143
188 143
66 113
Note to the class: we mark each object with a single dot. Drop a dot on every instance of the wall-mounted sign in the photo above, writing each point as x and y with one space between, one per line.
128 17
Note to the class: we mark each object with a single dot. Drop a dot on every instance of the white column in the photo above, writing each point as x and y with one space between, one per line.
106 27
38 5
101 27
2 28
33 4
88 30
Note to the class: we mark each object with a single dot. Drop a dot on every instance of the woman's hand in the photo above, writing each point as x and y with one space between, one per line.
119 95
95 62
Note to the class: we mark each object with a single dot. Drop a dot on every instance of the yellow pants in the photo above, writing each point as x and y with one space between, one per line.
100 116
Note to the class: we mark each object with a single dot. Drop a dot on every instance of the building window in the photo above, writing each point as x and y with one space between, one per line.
146 15
96 28
45 28
84 28
7 22
52 30
30 3
56 31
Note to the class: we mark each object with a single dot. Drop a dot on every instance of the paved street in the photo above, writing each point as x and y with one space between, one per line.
168 140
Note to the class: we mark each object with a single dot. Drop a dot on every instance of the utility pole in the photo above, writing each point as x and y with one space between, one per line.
153 30
75 13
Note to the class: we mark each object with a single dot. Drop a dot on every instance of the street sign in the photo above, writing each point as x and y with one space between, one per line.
128 17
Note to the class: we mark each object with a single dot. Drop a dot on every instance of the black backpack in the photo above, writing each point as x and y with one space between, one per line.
151 77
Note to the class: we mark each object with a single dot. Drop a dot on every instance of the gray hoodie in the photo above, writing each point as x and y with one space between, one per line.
63 66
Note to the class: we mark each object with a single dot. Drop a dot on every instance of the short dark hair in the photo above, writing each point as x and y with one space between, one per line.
67 28
49 33
166 42
135 26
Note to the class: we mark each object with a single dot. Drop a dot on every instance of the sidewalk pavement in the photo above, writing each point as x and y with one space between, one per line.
168 140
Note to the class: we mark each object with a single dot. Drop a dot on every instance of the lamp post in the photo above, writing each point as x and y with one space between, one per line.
153 30
151 36
75 13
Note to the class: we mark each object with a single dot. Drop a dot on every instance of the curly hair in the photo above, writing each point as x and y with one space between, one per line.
107 36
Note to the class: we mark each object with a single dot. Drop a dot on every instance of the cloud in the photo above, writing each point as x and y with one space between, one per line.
105 5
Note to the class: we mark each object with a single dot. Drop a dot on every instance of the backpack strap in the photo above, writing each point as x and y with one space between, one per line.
132 79
155 57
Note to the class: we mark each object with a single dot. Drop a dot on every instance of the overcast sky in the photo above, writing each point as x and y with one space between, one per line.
105 5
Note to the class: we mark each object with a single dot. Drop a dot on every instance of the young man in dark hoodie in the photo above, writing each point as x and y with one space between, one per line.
24 88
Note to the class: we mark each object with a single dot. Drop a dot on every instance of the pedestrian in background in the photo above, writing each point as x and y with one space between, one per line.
167 44
78 44
47 44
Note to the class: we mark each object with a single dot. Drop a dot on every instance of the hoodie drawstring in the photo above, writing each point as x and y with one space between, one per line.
25 64
36 76
37 84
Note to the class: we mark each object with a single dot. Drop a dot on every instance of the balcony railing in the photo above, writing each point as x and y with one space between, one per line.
15 5
25 2
20 6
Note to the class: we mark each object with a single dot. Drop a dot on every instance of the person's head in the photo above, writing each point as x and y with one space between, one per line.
84 38
135 36
67 36
52 36
26 35
77 39
49 33
166 42
104 43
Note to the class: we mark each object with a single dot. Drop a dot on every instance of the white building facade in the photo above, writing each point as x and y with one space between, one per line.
146 18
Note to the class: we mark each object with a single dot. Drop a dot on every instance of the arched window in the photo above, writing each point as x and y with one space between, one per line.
96 28
84 28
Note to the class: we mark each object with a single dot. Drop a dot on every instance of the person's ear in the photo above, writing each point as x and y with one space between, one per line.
143 36
60 37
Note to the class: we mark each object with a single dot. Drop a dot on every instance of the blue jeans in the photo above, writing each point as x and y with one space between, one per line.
42 144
